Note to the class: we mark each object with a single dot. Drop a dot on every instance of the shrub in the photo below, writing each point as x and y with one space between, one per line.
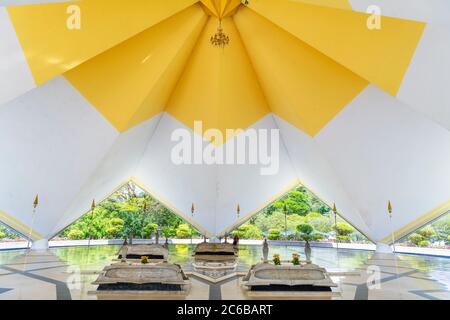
150 229
2 235
344 238
343 229
415 238
305 231
295 259
116 222
448 239
114 228
427 232
274 234
317 236
424 243
112 231
75 234
248 231
169 232
313 215
276 260
305 228
184 231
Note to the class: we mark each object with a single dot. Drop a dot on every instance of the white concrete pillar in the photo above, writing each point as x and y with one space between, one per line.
40 245
383 248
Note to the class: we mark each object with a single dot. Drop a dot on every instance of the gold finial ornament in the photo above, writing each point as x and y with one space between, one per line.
238 210
390 208
193 209
93 205
220 39
36 201
334 208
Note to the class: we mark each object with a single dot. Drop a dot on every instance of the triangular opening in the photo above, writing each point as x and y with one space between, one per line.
129 213
434 234
11 238
282 220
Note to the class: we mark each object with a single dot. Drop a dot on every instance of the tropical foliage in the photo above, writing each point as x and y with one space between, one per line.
130 213
7 233
299 215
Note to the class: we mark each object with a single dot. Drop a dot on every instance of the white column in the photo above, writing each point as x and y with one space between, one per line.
40 245
383 248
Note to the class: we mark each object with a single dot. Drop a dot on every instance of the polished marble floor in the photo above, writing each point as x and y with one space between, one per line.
67 273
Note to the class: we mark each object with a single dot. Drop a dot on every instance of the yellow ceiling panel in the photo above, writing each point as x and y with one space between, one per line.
132 82
221 8
219 86
51 48
380 56
301 85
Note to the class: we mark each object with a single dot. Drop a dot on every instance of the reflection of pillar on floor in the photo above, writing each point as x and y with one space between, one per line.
40 245
383 248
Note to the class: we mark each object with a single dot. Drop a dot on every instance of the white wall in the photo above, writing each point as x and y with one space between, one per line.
182 185
51 140
116 168
427 82
246 186
316 173
383 150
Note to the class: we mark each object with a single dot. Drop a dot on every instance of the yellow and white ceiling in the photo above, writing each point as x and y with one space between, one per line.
364 115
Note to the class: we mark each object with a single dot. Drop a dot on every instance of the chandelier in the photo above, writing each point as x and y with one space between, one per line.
220 39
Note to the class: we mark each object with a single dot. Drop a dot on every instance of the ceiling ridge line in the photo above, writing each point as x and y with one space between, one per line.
186 64
161 75
343 188
178 51
252 65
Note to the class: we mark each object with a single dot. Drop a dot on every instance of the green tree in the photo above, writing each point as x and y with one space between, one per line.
424 243
343 230
75 234
276 221
321 223
415 238
150 230
305 231
248 231
115 227
184 231
442 228
169 232
427 232
295 201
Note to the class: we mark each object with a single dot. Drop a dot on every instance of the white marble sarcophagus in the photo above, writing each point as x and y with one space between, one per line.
306 277
142 277
215 256
152 251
